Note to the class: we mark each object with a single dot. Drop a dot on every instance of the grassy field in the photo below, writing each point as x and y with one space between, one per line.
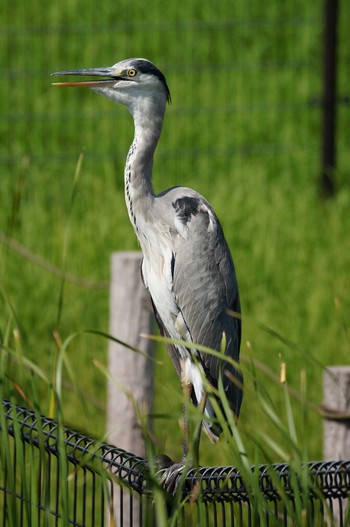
243 129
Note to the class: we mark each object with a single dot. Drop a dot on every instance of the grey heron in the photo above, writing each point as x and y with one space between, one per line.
187 265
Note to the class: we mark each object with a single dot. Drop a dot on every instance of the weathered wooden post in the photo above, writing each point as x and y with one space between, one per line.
336 434
336 427
329 103
130 315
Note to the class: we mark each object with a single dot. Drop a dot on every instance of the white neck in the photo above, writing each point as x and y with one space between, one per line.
147 109
139 192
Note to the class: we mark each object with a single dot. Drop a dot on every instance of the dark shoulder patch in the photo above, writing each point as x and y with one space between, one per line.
185 208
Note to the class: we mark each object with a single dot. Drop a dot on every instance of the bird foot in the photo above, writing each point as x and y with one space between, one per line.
171 474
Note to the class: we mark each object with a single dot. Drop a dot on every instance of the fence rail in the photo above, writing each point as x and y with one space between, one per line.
38 456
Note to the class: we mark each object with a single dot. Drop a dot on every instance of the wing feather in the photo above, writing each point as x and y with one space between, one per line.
205 288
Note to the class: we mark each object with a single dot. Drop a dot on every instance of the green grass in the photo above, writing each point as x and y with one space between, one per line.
240 130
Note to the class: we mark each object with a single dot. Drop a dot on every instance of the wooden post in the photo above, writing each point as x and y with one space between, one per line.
327 182
130 315
336 432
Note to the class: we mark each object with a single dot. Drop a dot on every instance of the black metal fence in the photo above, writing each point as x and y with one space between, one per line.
51 475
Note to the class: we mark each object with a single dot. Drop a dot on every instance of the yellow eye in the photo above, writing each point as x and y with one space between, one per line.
132 72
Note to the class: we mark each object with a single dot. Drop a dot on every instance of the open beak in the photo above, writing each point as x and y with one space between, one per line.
110 77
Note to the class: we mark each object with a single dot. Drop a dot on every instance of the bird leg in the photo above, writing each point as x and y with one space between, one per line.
197 439
186 388
173 474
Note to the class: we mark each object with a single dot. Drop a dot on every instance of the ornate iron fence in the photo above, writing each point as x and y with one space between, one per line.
51 475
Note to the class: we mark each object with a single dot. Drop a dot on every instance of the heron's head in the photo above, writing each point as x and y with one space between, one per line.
128 82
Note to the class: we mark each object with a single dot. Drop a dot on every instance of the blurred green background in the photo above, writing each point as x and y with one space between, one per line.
244 129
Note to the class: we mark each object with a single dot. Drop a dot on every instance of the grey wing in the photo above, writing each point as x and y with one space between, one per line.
205 288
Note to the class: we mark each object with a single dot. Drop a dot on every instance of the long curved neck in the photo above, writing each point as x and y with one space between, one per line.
139 192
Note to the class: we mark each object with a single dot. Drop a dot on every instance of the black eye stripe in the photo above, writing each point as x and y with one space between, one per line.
144 66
